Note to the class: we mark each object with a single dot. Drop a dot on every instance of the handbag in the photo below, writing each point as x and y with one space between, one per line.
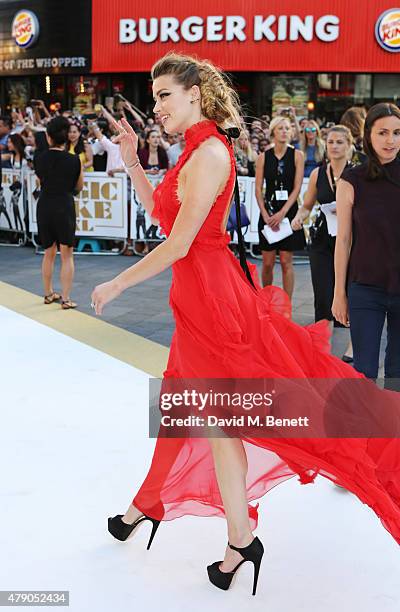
232 224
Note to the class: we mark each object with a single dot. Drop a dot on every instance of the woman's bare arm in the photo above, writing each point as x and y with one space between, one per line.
344 208
79 182
204 181
310 198
298 181
259 184
128 141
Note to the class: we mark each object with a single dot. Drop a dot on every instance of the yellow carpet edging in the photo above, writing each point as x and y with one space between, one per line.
130 348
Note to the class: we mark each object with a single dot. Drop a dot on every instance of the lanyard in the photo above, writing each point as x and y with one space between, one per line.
333 181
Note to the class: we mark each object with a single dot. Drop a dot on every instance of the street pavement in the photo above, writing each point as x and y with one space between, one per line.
144 309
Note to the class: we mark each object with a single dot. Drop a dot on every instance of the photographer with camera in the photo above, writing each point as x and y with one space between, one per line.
40 113
103 143
122 106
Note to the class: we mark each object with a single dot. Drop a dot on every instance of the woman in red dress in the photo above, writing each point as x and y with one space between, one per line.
228 328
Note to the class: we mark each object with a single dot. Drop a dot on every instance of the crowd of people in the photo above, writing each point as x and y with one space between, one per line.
279 151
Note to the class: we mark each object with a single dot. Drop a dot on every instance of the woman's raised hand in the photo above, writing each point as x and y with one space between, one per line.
127 139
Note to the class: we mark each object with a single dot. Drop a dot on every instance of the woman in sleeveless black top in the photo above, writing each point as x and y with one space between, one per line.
282 168
367 256
60 174
322 190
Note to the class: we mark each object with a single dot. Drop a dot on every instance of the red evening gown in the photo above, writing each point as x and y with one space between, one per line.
227 329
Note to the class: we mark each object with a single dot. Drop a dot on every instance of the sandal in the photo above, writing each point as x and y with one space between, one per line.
52 297
67 304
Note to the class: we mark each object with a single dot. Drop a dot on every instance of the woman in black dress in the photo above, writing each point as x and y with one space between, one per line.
322 189
367 254
282 169
60 174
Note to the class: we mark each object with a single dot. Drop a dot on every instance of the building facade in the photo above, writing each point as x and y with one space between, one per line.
334 53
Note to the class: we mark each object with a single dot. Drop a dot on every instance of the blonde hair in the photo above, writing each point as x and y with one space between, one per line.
219 102
319 143
250 153
274 124
342 129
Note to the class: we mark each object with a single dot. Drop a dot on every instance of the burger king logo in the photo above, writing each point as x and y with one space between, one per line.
25 28
387 30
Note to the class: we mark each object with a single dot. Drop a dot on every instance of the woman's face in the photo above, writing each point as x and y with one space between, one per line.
29 139
178 108
263 145
255 144
311 132
283 132
243 141
337 146
153 139
385 138
73 134
10 145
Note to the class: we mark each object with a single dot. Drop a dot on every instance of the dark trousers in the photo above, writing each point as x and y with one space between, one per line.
321 255
368 308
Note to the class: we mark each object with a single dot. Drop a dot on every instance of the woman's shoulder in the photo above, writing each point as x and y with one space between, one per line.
353 174
211 156
212 146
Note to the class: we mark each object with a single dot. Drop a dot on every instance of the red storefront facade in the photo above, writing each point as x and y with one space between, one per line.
278 36
333 52
341 51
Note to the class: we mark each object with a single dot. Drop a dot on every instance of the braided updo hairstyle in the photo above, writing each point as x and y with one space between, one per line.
219 102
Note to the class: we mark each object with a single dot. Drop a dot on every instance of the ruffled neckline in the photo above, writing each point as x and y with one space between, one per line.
199 129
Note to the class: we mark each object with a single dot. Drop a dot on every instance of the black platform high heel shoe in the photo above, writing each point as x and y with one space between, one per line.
121 531
253 552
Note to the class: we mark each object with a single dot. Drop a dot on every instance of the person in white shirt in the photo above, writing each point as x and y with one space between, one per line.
175 150
114 160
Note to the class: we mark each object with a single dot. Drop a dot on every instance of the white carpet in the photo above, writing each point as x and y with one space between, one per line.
74 449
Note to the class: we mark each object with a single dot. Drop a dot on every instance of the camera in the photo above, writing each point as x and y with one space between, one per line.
315 228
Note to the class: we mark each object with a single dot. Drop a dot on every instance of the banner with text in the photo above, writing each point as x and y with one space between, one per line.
101 206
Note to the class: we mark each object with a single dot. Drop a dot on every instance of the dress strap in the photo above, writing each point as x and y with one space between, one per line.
231 133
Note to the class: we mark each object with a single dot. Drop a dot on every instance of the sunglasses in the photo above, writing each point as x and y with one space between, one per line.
310 129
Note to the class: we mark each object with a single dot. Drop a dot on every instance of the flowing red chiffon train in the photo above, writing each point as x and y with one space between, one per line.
227 329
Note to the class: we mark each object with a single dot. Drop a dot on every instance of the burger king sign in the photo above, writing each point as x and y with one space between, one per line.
387 30
25 28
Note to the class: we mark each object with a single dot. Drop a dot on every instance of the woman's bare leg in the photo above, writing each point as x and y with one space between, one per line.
131 514
67 270
48 267
267 272
230 463
286 259
231 468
